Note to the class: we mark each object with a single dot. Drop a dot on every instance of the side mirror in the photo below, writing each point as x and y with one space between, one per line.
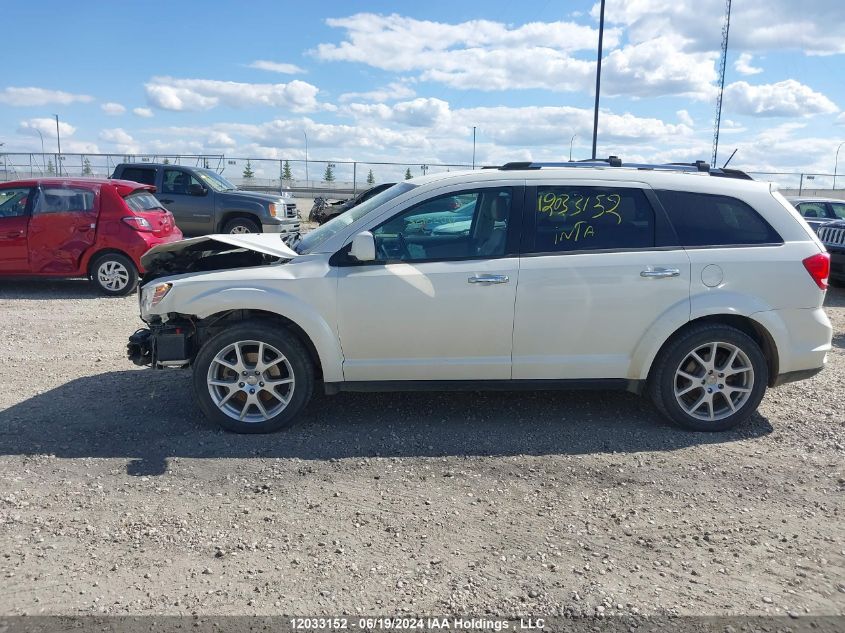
363 247
197 190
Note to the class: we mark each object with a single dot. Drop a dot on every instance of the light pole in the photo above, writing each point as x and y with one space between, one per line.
836 163
59 142
306 158
598 80
473 147
43 156
570 147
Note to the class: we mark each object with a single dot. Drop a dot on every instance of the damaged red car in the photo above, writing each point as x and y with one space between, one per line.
66 227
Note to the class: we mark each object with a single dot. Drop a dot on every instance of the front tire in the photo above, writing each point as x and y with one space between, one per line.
241 225
253 378
711 377
114 274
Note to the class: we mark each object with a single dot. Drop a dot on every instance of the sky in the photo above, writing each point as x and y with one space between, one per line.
407 82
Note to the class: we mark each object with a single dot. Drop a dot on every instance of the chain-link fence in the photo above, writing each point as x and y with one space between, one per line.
343 178
314 177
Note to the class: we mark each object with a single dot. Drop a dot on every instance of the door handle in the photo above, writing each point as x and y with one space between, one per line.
165 201
660 273
486 280
13 234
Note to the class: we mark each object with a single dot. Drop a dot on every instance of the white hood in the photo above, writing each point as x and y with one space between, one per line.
266 243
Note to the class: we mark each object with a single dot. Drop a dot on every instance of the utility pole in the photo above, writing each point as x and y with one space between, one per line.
473 147
59 141
836 163
598 80
726 27
306 158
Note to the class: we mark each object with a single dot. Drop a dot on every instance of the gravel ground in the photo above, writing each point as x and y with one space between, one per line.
116 497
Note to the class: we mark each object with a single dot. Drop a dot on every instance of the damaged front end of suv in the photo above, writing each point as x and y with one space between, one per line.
173 338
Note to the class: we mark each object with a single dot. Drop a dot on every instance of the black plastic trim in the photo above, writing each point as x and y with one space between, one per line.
793 376
615 384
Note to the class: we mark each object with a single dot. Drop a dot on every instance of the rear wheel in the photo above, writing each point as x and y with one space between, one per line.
241 225
253 378
711 377
114 274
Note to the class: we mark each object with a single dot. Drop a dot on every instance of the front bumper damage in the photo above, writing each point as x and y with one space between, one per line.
161 346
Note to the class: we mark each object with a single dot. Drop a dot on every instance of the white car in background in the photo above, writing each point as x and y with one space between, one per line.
696 287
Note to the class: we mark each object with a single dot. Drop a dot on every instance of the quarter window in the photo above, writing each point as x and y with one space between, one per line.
711 220
569 218
64 200
455 226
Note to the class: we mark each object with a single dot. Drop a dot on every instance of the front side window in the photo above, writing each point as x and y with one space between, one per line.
455 226
178 182
64 200
702 219
572 218
13 202
812 210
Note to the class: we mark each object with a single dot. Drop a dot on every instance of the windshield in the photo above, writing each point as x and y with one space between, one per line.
215 180
316 237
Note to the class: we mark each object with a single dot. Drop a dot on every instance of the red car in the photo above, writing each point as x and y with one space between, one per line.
66 227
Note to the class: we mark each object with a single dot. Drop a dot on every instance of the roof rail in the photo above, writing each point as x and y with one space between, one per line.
615 161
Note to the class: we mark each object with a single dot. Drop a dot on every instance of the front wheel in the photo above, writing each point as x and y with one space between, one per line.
241 225
253 378
114 274
711 377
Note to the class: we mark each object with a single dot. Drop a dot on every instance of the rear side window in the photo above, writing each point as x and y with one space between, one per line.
139 174
710 220
64 200
571 218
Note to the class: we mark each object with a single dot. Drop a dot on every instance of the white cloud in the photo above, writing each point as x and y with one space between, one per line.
276 67
112 108
394 90
743 66
116 135
169 93
144 113
685 118
46 126
840 120
784 98
39 97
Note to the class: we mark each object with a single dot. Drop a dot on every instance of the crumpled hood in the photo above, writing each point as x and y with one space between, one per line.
265 243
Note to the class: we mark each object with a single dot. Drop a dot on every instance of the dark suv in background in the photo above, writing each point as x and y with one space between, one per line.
202 201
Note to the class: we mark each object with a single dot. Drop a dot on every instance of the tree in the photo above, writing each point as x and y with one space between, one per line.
50 169
329 175
371 180
166 161
86 167
408 175
248 173
286 175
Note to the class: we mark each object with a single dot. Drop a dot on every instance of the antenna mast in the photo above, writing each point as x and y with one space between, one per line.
726 27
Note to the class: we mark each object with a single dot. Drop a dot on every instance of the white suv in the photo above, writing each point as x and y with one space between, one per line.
698 287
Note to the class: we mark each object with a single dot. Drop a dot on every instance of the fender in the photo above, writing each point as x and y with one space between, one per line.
268 299
701 305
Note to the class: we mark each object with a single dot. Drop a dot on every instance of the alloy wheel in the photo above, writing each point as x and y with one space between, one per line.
250 381
713 381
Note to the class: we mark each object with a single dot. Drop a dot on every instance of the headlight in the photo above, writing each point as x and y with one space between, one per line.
272 208
153 295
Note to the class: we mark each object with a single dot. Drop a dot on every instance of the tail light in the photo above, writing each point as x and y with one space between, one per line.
138 223
818 266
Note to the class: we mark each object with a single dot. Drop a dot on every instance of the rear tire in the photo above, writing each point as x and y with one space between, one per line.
241 225
114 274
710 377
253 378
